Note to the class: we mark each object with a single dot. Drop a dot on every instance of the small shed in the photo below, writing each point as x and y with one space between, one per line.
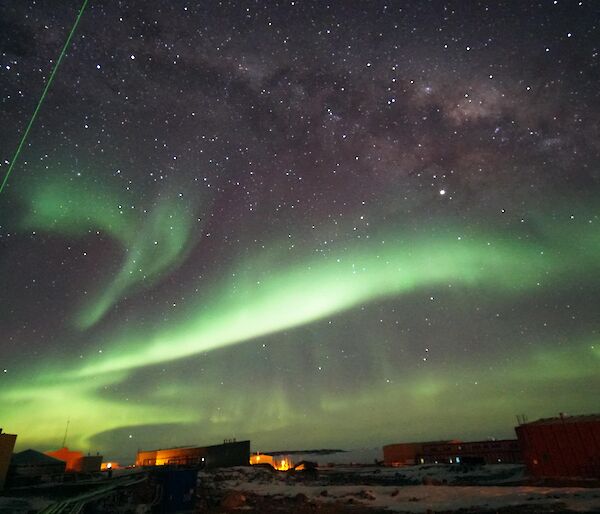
30 466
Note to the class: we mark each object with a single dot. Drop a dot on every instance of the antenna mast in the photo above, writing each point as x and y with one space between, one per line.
66 432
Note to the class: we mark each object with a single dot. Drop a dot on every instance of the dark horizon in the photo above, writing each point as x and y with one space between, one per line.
129 458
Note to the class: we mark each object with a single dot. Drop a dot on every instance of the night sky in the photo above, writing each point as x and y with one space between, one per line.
306 223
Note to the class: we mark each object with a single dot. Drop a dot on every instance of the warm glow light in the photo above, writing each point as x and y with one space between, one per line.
283 464
260 458
280 465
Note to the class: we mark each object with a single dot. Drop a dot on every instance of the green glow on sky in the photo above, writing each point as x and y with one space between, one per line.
264 300
376 411
154 242
77 208
42 410
161 243
270 295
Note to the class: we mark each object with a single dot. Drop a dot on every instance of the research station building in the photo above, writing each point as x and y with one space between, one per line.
230 453
564 446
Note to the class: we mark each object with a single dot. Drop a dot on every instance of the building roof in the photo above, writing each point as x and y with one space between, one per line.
467 443
186 447
228 443
585 418
423 443
33 458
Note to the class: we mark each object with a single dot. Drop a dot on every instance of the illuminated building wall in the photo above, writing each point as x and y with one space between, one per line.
280 462
261 458
187 456
220 455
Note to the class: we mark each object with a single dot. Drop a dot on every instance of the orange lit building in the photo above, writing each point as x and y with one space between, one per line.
283 463
72 458
185 456
76 461
105 466
566 446
280 463
221 455
261 458
7 444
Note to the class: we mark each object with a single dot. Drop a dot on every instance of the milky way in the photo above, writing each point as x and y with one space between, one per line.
303 223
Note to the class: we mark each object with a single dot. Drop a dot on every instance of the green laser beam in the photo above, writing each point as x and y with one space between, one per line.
41 100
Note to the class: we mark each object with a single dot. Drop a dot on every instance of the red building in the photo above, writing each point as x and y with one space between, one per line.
505 451
502 451
566 446
406 454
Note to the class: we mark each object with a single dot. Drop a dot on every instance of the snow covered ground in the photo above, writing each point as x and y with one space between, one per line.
434 474
386 488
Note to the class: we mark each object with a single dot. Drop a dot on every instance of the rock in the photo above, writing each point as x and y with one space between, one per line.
301 498
233 500
366 495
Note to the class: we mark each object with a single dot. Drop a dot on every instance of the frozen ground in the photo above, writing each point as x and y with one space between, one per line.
356 489
440 489
18 505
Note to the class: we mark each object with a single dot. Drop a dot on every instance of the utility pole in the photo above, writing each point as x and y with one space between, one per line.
66 432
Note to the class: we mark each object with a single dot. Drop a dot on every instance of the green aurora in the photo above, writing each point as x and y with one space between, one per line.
261 300
266 296
40 411
154 242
